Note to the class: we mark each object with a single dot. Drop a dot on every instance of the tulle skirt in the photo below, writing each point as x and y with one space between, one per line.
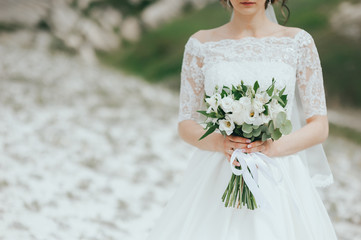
196 210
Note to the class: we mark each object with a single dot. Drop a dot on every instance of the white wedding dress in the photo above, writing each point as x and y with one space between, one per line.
196 211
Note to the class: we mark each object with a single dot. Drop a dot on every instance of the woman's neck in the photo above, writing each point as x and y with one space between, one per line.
257 25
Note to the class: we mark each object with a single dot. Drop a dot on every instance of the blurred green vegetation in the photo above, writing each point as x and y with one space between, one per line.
157 56
345 132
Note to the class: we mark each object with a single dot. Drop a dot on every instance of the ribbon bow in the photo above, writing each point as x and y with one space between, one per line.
252 163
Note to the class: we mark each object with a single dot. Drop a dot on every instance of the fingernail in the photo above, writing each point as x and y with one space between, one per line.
249 146
248 141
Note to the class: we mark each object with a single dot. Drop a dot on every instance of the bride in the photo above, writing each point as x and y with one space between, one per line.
252 46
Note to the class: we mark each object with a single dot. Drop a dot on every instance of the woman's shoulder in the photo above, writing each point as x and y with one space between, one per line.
204 35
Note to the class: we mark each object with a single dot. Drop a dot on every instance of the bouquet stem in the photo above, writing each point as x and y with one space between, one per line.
237 193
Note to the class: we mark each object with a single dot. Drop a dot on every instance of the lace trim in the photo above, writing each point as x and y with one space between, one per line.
298 51
251 39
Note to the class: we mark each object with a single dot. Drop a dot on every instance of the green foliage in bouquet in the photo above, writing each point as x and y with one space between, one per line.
248 112
274 129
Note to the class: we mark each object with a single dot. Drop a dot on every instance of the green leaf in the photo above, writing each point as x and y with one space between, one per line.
265 112
255 86
247 135
281 119
238 132
209 131
255 126
280 101
256 132
223 93
264 128
286 128
284 99
246 128
271 127
271 88
276 134
264 137
282 91
203 112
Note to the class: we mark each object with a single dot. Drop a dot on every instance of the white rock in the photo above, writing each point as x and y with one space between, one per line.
347 20
160 12
130 29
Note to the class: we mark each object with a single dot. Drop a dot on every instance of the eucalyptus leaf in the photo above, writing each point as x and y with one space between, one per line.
247 135
256 132
246 128
271 127
276 134
286 128
264 137
280 119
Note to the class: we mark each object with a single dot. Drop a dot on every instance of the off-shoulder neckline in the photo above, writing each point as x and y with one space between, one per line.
248 38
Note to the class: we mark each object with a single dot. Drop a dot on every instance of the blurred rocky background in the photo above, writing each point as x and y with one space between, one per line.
89 100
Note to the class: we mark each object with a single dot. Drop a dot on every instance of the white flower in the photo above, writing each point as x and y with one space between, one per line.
250 92
241 110
257 105
226 104
226 125
262 97
213 102
253 118
274 109
265 118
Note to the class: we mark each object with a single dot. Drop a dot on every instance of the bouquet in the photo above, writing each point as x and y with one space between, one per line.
252 113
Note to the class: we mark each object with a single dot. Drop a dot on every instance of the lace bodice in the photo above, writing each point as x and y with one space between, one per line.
293 62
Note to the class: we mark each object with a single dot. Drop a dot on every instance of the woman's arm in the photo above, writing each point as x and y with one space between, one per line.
190 131
309 81
314 132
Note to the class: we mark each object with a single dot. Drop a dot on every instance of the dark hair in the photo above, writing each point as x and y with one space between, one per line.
283 7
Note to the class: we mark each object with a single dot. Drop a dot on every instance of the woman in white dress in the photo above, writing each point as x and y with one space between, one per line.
251 47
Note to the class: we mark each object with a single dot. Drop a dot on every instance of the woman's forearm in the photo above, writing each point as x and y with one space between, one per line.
313 133
190 131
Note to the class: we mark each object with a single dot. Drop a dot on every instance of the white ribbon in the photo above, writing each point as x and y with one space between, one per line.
254 162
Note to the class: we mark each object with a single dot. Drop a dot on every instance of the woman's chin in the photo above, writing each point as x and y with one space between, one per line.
246 11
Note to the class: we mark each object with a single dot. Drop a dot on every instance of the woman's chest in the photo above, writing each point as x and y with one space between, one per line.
233 72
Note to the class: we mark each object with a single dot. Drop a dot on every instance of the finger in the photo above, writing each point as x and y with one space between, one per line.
259 148
255 144
239 145
238 139
236 163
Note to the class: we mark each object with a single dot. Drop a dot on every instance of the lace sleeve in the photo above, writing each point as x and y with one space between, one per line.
309 78
192 81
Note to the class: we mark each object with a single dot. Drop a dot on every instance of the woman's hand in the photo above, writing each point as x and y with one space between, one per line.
267 147
230 143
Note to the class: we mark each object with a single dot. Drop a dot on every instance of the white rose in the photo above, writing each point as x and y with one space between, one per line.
226 125
226 104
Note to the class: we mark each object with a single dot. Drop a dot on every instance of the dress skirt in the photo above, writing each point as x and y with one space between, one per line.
196 210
